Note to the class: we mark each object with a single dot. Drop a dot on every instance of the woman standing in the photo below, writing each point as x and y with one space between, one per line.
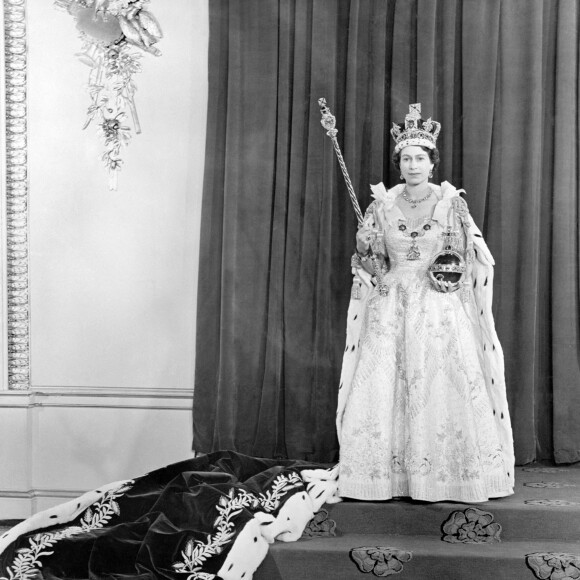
422 407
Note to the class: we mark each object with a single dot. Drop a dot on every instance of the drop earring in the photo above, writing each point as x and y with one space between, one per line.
401 176
431 173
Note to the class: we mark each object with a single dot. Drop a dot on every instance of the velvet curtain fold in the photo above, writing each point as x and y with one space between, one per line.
277 227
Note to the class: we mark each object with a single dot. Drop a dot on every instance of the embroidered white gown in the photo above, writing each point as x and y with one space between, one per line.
424 414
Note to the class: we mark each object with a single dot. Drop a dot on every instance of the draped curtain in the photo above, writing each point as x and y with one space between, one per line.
502 77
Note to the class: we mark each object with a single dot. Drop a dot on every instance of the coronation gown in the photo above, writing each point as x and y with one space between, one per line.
422 406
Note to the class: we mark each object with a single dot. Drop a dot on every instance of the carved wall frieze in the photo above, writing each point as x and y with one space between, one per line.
15 48
110 31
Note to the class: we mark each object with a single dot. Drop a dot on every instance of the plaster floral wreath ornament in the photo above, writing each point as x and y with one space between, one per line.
114 33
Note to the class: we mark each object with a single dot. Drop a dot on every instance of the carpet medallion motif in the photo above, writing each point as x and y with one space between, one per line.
554 566
320 526
551 502
548 484
381 561
471 526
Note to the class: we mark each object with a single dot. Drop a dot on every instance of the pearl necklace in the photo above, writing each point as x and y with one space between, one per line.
415 202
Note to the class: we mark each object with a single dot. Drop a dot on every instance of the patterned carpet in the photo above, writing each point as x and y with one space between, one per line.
534 534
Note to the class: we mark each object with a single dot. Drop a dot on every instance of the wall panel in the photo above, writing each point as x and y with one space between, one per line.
112 275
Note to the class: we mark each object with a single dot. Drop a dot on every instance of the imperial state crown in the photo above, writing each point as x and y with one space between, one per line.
415 131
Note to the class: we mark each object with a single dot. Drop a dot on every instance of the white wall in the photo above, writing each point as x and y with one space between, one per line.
113 274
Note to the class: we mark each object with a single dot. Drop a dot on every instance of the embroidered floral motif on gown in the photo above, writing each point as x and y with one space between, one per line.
419 419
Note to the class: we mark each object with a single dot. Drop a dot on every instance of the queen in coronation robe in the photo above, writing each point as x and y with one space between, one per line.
422 408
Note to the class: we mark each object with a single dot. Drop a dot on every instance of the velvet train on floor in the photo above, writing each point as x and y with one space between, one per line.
211 517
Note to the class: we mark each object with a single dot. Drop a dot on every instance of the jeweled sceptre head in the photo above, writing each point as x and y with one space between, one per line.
328 120
415 131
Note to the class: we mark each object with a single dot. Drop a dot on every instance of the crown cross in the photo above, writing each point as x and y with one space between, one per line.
415 110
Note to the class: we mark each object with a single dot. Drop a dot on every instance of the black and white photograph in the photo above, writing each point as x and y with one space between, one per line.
290 290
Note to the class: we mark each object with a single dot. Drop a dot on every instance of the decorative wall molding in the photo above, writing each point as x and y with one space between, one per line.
98 439
144 392
15 63
34 493
100 398
15 399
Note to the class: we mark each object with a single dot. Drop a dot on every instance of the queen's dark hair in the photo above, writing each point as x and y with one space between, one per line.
433 156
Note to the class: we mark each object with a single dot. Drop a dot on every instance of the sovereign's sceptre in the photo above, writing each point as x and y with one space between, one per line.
328 121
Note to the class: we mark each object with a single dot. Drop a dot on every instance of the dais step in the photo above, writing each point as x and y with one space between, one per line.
518 520
415 558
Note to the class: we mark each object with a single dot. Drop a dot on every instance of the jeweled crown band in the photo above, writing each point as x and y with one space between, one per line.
415 131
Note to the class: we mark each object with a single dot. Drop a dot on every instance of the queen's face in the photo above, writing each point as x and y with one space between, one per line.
415 165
